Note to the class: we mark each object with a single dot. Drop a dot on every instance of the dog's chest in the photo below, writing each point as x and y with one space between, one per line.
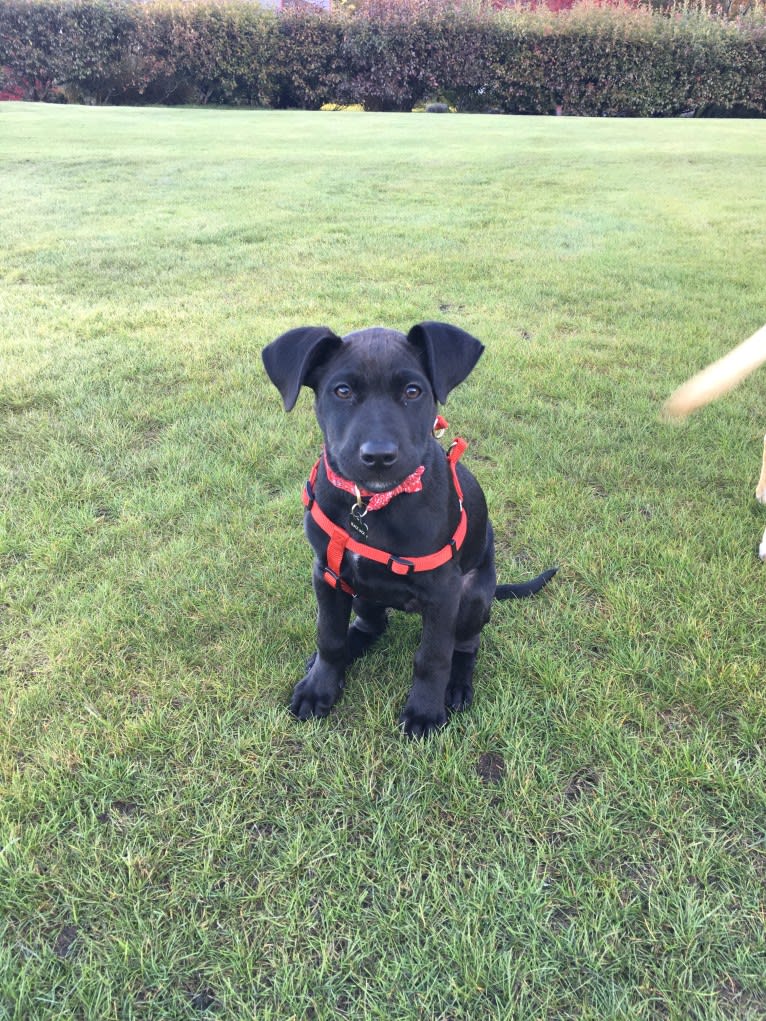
375 583
398 532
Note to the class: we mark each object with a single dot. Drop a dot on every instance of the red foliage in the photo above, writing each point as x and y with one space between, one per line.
9 92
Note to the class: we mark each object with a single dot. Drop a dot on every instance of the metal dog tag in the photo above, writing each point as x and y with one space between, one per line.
356 520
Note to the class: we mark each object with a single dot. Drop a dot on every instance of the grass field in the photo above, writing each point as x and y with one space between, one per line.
589 840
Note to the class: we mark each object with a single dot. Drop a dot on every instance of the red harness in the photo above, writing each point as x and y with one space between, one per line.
340 540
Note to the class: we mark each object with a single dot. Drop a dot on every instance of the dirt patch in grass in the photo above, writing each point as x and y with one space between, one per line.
65 941
491 768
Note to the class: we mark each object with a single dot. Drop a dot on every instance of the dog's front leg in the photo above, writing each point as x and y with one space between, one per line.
760 489
321 688
425 710
760 494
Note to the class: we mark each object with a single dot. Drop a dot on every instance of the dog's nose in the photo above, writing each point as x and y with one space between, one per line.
378 454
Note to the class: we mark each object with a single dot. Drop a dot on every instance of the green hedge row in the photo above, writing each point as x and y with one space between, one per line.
593 60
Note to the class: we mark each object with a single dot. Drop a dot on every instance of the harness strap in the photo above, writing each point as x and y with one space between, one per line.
340 540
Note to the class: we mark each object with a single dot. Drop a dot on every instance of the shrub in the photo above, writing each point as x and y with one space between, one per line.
84 43
608 58
308 67
389 60
631 62
217 52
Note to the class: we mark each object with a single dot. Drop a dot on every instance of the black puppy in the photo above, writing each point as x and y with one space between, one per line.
392 520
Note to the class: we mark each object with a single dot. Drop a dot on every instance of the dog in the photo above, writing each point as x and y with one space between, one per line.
717 379
393 521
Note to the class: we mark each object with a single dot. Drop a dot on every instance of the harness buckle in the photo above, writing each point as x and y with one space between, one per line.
332 579
308 495
398 565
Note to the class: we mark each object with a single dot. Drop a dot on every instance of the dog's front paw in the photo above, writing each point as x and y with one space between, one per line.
315 695
760 493
762 548
415 724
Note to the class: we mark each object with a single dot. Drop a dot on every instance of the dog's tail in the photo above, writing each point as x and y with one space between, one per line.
527 589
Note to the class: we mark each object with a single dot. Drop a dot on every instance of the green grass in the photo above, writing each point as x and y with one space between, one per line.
588 841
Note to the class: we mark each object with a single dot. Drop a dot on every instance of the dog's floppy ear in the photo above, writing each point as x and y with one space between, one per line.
450 353
290 359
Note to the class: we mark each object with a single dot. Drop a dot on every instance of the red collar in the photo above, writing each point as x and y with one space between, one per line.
340 540
375 500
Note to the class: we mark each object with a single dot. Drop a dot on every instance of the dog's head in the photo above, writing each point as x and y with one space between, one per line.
376 391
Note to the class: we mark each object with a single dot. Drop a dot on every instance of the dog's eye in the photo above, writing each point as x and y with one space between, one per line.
342 391
412 391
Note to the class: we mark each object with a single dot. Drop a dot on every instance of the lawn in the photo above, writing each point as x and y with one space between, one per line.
589 840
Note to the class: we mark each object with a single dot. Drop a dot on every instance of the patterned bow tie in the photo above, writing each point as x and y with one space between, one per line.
375 501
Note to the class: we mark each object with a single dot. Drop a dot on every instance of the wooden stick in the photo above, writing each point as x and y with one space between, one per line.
719 377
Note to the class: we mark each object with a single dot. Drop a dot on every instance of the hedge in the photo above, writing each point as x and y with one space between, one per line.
591 60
